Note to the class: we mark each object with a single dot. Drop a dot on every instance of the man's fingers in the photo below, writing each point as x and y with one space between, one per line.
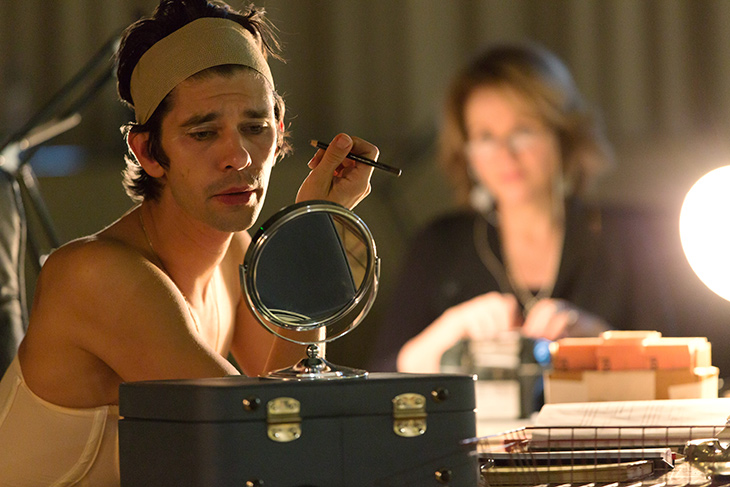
335 154
364 148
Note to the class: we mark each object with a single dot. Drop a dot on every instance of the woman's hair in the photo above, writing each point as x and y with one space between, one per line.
169 16
544 82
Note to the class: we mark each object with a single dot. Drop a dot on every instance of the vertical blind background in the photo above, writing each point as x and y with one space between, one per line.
658 71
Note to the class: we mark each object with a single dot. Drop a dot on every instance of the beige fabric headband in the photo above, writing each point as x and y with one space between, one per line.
201 44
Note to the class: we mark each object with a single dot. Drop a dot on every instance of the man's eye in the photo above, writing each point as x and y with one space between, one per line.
255 128
202 134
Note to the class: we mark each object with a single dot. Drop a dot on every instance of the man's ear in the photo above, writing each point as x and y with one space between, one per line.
139 145
281 131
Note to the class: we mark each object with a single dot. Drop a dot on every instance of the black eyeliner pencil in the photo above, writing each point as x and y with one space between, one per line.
364 160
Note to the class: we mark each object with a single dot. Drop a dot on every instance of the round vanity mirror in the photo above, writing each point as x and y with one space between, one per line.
310 276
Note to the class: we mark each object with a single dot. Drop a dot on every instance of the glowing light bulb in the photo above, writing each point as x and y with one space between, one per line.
704 229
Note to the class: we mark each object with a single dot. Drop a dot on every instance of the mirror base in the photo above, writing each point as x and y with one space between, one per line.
316 369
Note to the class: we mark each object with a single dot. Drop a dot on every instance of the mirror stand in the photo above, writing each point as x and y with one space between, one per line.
314 366
311 270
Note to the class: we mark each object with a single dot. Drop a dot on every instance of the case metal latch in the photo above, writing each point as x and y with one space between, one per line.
284 424
409 415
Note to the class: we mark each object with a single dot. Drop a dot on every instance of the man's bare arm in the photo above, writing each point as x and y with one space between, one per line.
104 314
256 350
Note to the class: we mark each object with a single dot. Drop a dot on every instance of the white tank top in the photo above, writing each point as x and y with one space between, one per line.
42 444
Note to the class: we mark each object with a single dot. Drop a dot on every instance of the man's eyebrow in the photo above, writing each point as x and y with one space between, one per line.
258 113
212 116
199 119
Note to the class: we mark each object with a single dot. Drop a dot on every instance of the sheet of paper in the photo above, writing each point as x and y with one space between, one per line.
628 423
670 412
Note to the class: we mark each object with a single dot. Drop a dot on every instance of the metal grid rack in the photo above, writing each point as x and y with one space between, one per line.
593 456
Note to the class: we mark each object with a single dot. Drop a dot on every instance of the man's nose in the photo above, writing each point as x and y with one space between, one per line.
236 157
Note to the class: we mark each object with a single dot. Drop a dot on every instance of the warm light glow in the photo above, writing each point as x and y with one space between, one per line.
704 228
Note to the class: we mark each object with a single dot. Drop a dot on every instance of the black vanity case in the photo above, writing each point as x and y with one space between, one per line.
384 430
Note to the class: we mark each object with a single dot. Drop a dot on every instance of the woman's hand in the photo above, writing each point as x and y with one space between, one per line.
484 317
335 178
557 318
480 318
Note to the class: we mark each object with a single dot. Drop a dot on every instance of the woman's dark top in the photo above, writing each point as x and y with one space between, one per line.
609 267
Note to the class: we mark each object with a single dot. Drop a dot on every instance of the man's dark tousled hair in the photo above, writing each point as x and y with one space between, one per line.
169 16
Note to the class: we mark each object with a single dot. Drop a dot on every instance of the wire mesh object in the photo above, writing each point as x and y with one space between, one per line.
604 456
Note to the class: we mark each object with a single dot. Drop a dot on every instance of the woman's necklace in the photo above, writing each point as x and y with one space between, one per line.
503 274
187 303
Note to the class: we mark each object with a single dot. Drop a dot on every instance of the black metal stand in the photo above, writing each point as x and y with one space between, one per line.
59 115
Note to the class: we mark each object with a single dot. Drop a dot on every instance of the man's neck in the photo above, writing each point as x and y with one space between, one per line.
188 250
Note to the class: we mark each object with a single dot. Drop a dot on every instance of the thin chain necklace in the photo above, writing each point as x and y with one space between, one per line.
187 303
502 273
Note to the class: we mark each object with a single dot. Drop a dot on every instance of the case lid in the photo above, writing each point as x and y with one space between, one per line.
237 398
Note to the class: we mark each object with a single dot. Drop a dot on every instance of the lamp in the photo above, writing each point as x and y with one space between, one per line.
704 230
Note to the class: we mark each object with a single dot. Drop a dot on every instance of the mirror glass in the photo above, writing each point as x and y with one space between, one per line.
311 273
306 272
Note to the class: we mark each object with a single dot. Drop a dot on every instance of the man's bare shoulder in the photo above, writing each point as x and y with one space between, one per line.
85 301
104 312
96 258
90 284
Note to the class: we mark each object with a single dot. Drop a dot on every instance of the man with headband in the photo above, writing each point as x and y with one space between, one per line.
156 295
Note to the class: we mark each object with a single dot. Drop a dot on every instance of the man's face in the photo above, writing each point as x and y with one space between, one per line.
220 137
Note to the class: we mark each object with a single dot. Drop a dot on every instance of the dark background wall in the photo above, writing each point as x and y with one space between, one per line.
658 71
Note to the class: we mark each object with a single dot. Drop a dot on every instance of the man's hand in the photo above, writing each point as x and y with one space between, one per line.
336 178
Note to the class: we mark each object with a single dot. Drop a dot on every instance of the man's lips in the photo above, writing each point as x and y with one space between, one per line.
235 196
236 190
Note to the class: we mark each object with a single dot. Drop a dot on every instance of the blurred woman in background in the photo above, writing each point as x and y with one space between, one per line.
524 253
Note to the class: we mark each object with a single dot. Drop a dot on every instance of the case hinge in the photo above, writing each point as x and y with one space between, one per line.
409 415
284 424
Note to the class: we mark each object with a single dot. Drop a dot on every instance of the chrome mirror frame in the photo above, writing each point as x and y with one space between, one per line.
313 332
